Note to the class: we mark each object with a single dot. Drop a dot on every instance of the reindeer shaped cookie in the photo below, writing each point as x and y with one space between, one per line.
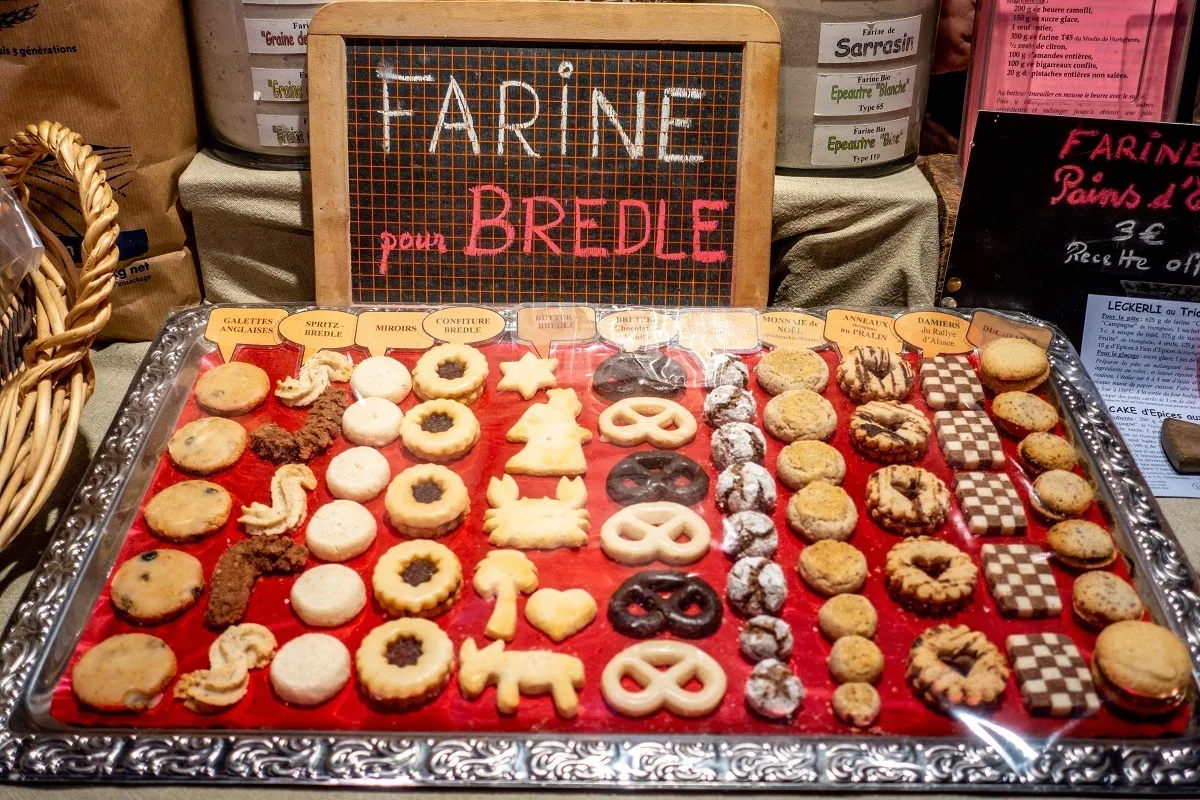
518 672
536 523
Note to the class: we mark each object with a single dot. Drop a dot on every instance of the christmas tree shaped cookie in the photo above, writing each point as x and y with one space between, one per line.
553 440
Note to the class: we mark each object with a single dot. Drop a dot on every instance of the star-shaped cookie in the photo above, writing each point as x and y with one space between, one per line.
527 375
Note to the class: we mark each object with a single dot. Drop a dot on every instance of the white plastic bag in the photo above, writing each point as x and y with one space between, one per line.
20 247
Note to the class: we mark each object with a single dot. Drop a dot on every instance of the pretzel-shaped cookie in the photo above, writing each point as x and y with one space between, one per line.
660 689
646 532
661 422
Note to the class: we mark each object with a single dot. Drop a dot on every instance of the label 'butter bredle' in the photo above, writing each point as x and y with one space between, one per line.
934 332
230 327
322 329
380 331
638 328
544 326
464 325
850 329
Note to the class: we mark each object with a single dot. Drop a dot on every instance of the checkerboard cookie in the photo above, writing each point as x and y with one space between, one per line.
1055 680
1020 580
968 440
990 504
950 382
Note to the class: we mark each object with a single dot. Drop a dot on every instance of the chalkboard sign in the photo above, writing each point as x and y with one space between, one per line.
1056 208
511 152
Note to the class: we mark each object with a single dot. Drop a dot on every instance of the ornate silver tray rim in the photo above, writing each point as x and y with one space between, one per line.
701 762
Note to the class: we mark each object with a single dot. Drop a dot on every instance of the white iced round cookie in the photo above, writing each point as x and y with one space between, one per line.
340 530
380 376
310 669
328 595
359 474
372 421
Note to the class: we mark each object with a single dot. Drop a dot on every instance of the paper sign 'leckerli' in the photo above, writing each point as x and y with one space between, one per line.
1054 678
1021 580
990 504
968 439
950 382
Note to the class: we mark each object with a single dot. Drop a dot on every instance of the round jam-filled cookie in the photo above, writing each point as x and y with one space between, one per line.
729 404
1012 365
372 421
310 669
625 375
328 596
889 432
756 586
439 430
745 487
907 500
417 579
1081 544
405 662
188 511
802 462
157 585
856 704
1141 667
737 443
340 530
651 476
232 389
799 414
847 615
207 445
773 690
875 373
1020 414
126 672
785 369
766 637
1058 495
726 369
450 372
930 576
427 501
822 511
749 533
855 659
1042 452
831 567
357 474
1100 598
380 376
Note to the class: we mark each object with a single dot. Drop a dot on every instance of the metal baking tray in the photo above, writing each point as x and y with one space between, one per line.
49 619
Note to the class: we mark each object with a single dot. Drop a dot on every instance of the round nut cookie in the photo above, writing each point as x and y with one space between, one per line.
1141 667
855 659
381 376
157 585
766 637
847 615
1081 544
1012 365
907 500
1100 598
310 669
888 431
856 704
799 414
1058 495
1020 414
822 511
831 567
207 445
1041 452
359 474
875 373
372 421
785 369
188 511
126 672
340 530
232 389
328 596
804 461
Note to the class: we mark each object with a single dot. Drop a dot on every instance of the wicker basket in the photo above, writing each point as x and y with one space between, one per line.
45 373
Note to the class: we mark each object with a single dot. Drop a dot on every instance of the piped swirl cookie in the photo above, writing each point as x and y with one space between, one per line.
889 432
317 372
450 372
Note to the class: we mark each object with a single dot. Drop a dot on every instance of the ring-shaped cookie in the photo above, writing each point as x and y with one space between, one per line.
907 500
930 576
405 662
439 430
649 476
427 500
889 431
691 608
663 688
646 532
417 579
634 420
625 375
450 372
937 662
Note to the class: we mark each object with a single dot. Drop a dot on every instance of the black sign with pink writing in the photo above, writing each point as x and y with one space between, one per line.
488 173
1057 208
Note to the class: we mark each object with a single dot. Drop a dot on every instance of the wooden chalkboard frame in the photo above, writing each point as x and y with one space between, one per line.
541 22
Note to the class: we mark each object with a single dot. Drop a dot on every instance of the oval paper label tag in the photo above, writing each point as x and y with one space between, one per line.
230 327
850 329
464 325
934 332
986 326
791 329
380 331
638 328
543 326
706 332
322 329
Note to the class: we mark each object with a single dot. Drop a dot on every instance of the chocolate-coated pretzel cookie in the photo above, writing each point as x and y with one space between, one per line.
690 609
639 375
650 476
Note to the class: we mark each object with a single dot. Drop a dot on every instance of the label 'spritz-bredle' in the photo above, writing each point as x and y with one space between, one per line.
322 329
277 35
464 325
230 327
850 329
380 331
279 85
851 94
986 326
544 326
934 332
793 329
709 331
283 130
638 328
859 143
868 42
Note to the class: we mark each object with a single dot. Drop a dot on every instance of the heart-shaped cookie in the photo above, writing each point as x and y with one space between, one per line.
560 614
